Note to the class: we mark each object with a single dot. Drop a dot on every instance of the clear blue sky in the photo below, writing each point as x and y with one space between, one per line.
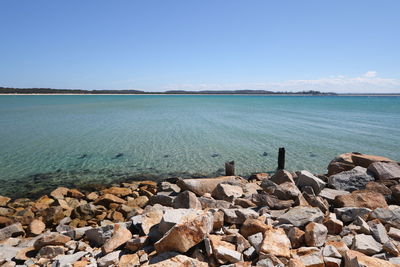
343 46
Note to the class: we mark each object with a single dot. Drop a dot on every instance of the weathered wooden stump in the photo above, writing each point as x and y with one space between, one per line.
281 158
230 168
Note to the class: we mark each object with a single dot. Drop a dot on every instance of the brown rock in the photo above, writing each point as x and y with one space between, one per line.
296 237
315 234
25 253
206 185
5 221
361 199
364 160
296 263
106 199
355 259
385 170
75 193
54 239
179 261
37 227
136 243
244 202
259 176
120 236
276 243
227 192
379 188
4 201
340 246
92 196
50 252
186 234
118 191
282 176
186 200
59 193
140 201
52 215
252 226
333 225
129 260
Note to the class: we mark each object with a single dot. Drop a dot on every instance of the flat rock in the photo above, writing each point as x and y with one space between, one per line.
59 193
50 239
389 215
98 236
186 234
378 231
330 194
186 200
252 226
365 160
110 259
356 259
174 216
146 221
206 185
361 199
12 230
50 252
106 199
227 192
276 243
238 216
306 178
4 201
385 170
300 215
118 191
349 214
65 260
354 179
366 244
286 191
119 237
180 261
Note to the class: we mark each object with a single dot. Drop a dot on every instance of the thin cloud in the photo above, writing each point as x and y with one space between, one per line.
369 82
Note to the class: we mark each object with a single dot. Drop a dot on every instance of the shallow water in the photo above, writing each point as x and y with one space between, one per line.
47 141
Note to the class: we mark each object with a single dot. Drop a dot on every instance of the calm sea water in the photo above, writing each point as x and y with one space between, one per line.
48 141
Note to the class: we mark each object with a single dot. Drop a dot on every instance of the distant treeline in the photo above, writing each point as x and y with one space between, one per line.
8 90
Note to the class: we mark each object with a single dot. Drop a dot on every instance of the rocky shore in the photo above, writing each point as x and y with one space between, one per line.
347 217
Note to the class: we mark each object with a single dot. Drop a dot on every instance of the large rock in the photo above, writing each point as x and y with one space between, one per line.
286 191
179 261
174 216
206 185
98 236
385 170
349 214
51 239
85 212
107 199
365 160
118 191
186 234
145 222
276 243
4 201
186 200
111 259
238 216
120 236
330 194
227 192
12 230
361 199
252 226
378 231
50 252
356 259
315 234
389 215
306 178
282 176
366 244
300 215
354 179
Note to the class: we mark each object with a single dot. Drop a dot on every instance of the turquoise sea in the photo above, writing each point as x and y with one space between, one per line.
75 141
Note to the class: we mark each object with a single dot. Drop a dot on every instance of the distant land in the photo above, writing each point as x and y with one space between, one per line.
10 90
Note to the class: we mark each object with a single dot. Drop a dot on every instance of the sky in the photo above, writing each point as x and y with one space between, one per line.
159 45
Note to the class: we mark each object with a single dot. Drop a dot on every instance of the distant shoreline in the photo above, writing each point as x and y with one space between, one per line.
158 94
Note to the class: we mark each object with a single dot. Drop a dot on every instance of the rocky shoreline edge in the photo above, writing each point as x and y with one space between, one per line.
348 217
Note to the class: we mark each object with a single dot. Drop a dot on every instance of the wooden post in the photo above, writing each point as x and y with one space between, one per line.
230 168
281 158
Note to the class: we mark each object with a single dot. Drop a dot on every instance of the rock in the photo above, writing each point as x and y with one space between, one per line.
207 202
59 193
12 230
52 215
74 193
227 254
315 234
341 163
365 160
366 244
238 216
256 241
361 199
186 234
50 252
331 251
296 263
276 243
356 259
286 191
244 203
391 248
164 200
107 199
332 262
317 201
354 179
146 221
98 236
111 259
379 188
389 215
333 225
259 176
364 227
296 237
117 191
252 226
85 212
186 200
25 254
282 176
227 192
50 239
179 261
4 201
174 216
120 236
300 215
394 233
340 246
92 196
129 260
206 185
140 201
66 260
36 227
313 259
379 233
308 179
349 214
264 199
385 170
136 243
330 194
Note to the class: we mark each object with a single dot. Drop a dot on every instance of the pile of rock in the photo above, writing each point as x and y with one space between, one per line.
349 217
